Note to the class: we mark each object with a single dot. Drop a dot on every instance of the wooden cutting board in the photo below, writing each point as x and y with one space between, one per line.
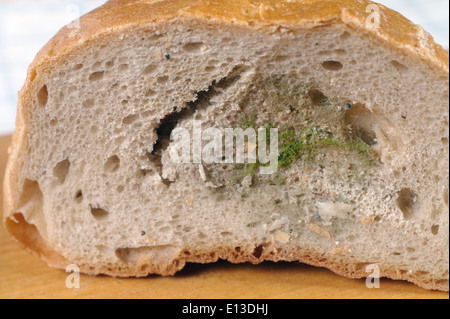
25 276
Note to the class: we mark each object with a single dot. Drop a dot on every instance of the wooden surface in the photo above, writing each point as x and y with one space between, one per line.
25 276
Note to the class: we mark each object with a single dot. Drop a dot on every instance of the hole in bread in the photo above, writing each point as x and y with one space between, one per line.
93 129
99 213
317 97
258 251
79 196
130 119
120 189
30 192
226 234
149 69
399 66
109 64
408 202
187 229
78 67
30 206
145 172
326 52
332 65
42 96
162 79
435 229
149 93
345 35
153 254
203 98
165 229
54 122
112 164
281 58
123 67
361 121
61 170
362 267
96 76
194 47
444 140
88 103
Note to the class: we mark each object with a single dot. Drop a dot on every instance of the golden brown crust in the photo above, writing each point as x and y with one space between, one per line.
336 263
28 236
395 31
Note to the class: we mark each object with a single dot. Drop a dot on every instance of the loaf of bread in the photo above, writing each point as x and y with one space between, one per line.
120 162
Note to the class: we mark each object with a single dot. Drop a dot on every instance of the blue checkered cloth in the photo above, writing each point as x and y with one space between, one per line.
25 26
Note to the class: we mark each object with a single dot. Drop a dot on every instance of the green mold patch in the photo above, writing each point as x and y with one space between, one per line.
310 125
312 140
313 130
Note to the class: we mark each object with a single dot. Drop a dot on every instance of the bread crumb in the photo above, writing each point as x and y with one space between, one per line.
190 201
319 230
282 237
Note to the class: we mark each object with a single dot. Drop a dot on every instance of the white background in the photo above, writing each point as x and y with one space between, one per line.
25 26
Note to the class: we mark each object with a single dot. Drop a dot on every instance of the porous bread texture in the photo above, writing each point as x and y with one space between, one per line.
102 200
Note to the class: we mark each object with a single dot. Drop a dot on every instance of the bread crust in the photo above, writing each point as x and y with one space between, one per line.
336 263
118 15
